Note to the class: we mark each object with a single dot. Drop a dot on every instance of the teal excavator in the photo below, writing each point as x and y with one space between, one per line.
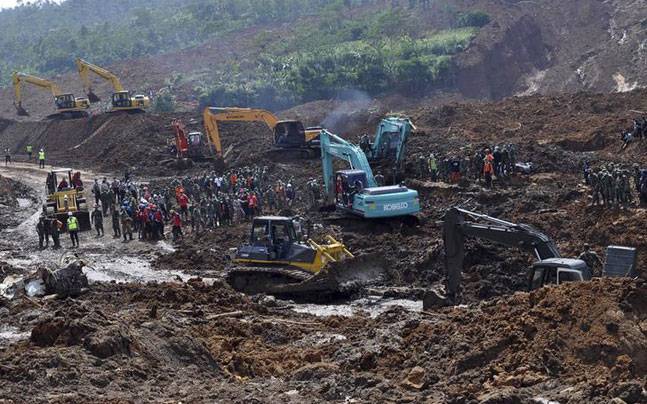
355 190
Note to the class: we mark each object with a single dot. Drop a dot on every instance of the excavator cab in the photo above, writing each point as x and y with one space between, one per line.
289 134
558 271
64 101
121 99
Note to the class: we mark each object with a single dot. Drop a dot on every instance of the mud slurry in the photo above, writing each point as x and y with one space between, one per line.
197 342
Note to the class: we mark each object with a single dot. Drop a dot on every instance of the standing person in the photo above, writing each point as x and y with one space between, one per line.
73 229
97 220
183 202
126 226
41 158
55 227
488 170
176 223
432 165
41 229
115 224
30 150
96 190
7 156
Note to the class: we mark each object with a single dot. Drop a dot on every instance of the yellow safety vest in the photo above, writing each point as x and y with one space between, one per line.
29 149
41 155
72 223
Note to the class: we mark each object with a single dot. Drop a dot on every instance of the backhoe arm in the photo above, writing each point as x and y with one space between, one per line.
19 78
520 236
333 146
213 115
85 68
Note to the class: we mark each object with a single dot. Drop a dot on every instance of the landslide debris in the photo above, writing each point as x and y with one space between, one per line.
581 342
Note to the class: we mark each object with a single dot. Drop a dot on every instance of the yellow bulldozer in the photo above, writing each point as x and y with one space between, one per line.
64 195
122 100
67 105
278 261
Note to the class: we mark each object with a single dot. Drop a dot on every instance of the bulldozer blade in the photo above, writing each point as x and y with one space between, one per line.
352 274
21 111
93 97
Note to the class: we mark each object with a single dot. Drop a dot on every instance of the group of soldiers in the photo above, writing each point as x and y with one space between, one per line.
499 162
611 184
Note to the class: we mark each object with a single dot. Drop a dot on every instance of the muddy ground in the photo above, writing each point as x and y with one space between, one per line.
156 336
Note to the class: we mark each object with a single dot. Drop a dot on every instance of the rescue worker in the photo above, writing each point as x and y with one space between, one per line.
73 229
41 229
29 151
97 220
592 260
7 156
96 190
63 184
488 170
379 178
432 165
126 226
115 224
183 202
176 223
55 227
41 158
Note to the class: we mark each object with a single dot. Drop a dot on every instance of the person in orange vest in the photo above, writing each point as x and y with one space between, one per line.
488 168
176 224
183 202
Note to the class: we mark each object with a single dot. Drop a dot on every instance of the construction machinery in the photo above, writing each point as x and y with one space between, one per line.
388 149
67 105
122 100
188 145
64 197
277 261
289 136
551 267
355 190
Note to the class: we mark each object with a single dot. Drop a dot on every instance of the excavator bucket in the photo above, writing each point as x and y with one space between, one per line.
93 97
21 111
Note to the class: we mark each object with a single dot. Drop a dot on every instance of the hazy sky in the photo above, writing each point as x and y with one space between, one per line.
7 3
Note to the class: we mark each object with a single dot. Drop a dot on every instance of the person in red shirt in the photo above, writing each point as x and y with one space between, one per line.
176 223
252 203
183 201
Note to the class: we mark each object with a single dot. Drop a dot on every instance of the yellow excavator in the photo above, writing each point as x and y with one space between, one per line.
67 106
122 100
289 135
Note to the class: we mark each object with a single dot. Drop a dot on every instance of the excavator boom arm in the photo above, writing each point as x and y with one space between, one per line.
213 115
20 78
333 146
85 68
521 236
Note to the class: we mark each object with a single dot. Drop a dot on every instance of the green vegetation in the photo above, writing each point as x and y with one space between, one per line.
332 45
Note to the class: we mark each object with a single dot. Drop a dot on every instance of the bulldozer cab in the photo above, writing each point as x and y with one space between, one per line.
289 134
121 99
274 232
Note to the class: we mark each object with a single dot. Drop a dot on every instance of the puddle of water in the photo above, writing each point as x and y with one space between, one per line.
10 335
374 306
126 269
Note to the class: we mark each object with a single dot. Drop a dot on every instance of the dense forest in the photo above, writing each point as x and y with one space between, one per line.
371 45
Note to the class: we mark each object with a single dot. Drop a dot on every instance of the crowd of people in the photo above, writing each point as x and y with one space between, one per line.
614 185
485 165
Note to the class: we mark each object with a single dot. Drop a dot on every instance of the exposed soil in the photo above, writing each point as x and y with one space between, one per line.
573 343
193 342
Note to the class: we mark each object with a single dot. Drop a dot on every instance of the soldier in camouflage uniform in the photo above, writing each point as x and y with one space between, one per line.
592 260
595 188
